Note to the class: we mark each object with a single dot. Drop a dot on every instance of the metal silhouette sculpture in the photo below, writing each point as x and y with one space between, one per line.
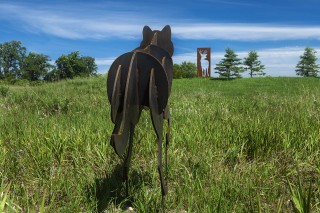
204 62
136 80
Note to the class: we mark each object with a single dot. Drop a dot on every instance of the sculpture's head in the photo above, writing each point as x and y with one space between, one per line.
161 38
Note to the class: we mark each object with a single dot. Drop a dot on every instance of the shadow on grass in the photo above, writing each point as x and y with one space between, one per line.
110 190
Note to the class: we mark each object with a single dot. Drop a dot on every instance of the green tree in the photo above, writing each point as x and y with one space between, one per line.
52 75
229 66
89 66
74 65
177 72
64 68
253 64
188 69
35 66
12 55
184 70
307 66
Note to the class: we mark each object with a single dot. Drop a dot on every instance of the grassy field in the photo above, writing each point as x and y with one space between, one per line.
246 145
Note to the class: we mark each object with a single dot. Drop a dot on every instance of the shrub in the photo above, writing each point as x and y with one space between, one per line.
184 70
4 91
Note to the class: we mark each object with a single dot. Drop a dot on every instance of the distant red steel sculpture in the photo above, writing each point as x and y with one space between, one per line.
136 80
204 62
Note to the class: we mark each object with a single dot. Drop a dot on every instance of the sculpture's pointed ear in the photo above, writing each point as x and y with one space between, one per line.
147 33
167 31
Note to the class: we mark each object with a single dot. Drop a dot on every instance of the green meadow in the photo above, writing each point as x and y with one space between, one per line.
244 145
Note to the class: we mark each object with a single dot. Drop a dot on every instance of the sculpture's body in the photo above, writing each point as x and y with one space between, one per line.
138 79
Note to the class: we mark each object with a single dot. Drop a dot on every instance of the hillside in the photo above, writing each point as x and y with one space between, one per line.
236 146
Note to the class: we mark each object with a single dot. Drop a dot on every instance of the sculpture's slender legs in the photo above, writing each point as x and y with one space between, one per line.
166 151
127 160
167 117
157 121
163 186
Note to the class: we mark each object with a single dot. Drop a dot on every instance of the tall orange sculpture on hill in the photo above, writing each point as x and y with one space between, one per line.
204 62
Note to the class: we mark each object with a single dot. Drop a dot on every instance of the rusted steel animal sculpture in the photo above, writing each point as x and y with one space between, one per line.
141 79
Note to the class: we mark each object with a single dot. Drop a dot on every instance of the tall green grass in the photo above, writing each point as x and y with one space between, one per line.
239 145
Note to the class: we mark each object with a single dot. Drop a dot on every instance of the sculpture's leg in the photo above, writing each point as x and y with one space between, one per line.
167 117
127 160
163 187
157 121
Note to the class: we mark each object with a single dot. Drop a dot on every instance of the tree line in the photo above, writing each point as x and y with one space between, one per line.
232 67
16 63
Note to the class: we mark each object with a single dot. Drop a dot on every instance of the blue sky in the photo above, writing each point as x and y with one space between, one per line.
278 30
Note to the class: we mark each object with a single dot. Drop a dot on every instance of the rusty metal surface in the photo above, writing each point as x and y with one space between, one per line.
204 62
141 79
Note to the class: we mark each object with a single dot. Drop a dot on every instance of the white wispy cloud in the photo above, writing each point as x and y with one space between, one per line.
104 61
128 25
104 64
245 32
73 24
